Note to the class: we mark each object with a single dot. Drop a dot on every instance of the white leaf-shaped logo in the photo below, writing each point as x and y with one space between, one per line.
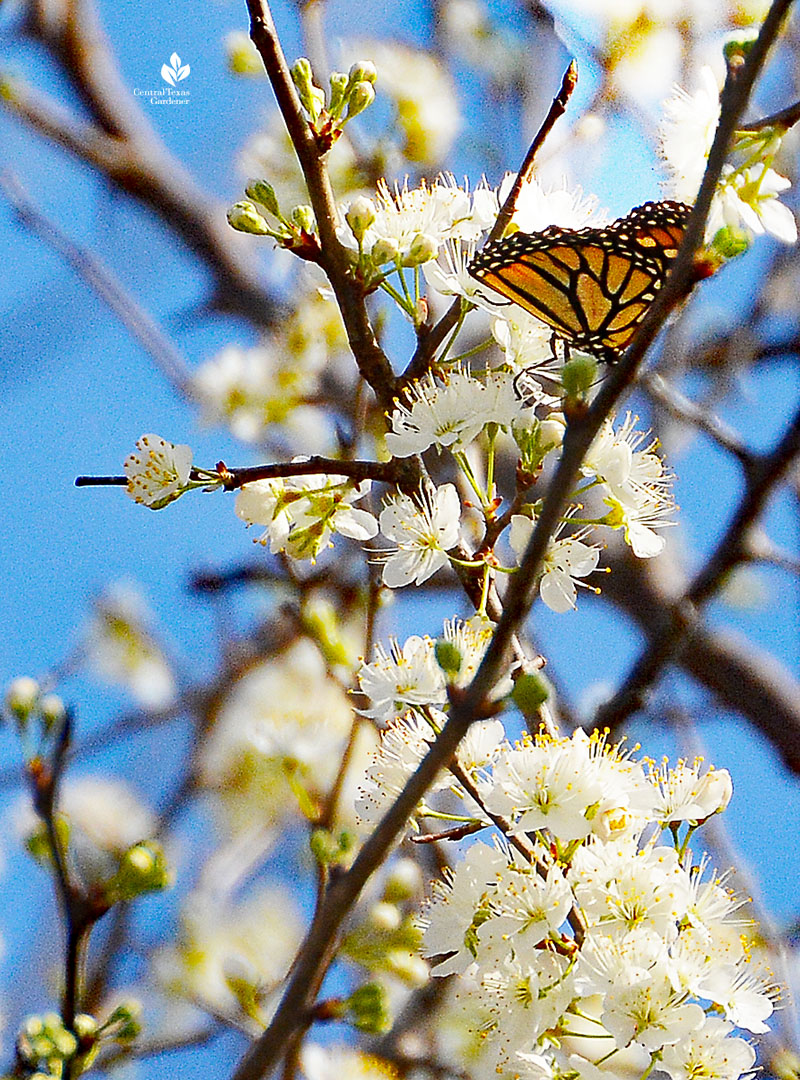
174 71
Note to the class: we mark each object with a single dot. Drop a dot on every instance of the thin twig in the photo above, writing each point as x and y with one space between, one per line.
384 471
687 412
100 278
430 342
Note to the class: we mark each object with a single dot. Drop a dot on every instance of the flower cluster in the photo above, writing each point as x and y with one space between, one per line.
585 935
300 514
746 199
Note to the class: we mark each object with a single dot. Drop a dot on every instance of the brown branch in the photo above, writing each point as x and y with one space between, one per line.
687 412
121 145
556 110
744 678
373 364
394 471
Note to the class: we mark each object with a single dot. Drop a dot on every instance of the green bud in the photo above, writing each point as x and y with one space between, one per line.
52 711
530 692
423 249
730 241
362 71
384 251
303 218
321 621
360 215
579 375
303 79
448 657
244 217
403 882
328 849
123 1023
142 869
22 697
738 46
368 1009
361 97
338 92
263 193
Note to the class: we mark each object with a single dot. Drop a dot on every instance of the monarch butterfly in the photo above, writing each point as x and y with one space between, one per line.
592 286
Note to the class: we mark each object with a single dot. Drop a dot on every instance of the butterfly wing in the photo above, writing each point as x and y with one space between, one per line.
592 286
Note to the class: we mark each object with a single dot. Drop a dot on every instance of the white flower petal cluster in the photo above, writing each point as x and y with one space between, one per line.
594 949
409 225
747 194
423 530
301 513
158 472
451 414
409 676
567 560
634 483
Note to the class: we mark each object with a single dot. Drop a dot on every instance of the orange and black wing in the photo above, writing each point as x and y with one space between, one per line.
592 286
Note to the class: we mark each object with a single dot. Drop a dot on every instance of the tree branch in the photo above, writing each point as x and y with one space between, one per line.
120 144
372 362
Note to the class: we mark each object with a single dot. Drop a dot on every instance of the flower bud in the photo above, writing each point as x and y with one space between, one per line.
361 97
530 692
22 697
730 241
84 1026
423 249
578 376
385 251
264 193
303 218
385 916
737 47
303 79
123 1023
142 869
368 1009
359 216
244 217
362 71
52 711
403 882
339 83
551 433
243 58
448 657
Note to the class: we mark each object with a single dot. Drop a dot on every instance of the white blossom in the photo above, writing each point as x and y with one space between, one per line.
423 530
566 561
158 472
401 678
